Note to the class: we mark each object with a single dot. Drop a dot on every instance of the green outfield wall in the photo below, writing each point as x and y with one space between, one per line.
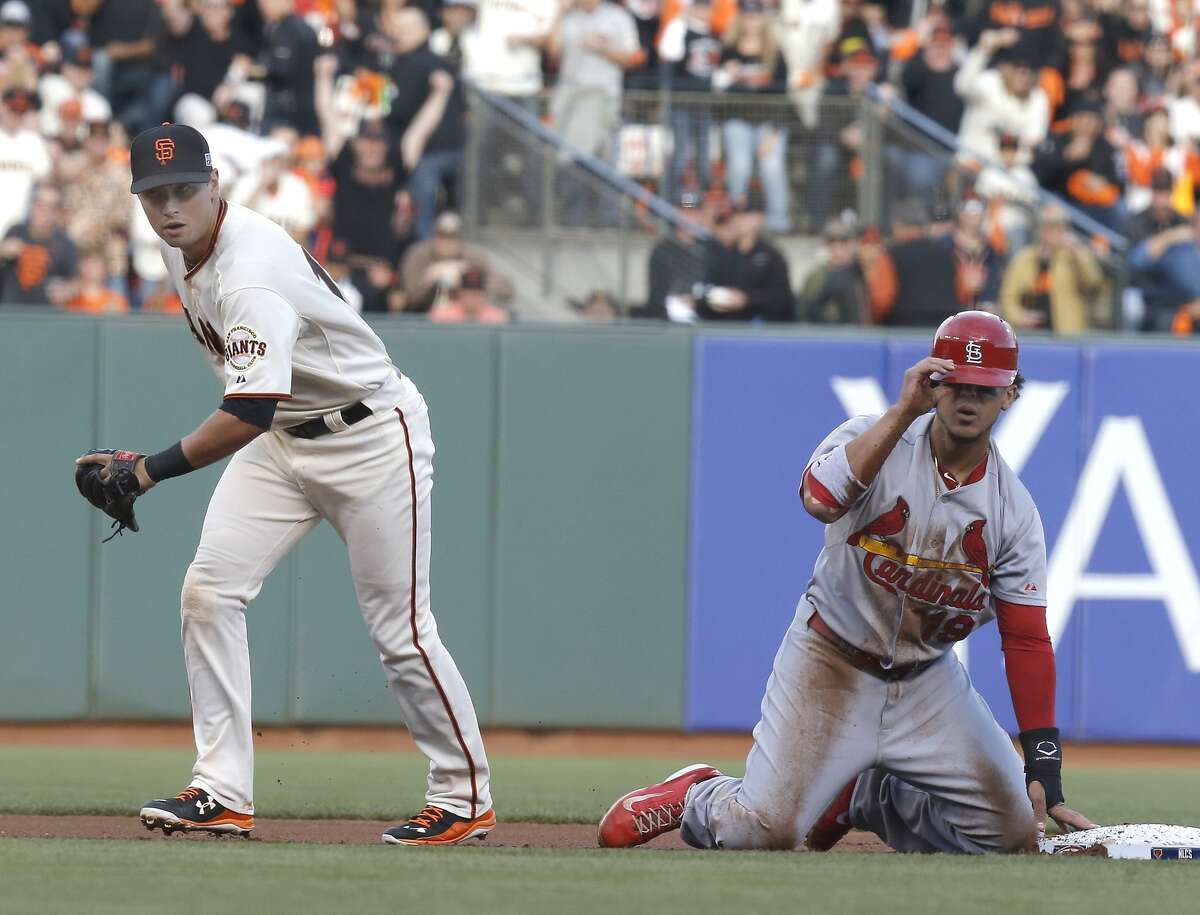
560 529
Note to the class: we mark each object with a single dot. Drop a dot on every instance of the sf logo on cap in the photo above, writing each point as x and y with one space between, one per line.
164 150
974 352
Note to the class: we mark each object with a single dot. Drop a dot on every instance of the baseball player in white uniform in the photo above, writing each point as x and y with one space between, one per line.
869 720
320 425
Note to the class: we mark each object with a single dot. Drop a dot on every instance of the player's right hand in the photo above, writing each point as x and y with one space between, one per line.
1068 820
918 394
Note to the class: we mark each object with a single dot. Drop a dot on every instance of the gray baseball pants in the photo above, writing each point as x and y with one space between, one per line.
938 772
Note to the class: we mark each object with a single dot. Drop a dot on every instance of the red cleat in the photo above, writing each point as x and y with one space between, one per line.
834 823
646 813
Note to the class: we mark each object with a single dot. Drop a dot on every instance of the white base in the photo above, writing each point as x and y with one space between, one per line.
1133 841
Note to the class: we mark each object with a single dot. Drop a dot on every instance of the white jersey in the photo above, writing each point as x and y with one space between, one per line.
491 61
273 324
24 160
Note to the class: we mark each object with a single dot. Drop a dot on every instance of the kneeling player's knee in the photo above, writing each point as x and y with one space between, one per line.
781 837
200 598
758 833
1022 837
1017 833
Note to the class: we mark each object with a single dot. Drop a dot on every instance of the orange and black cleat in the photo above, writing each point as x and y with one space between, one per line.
435 826
195 810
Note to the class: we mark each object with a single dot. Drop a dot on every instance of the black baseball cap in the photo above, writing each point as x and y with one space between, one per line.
169 154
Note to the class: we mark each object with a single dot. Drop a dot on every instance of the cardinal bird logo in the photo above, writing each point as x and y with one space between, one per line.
890 523
975 547
926 579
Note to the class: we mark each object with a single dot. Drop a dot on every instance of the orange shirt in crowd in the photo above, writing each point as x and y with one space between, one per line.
723 14
98 301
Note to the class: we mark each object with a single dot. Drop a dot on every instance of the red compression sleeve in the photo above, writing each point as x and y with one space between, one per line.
1028 663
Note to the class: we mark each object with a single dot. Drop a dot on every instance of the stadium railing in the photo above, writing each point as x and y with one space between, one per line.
574 221
525 184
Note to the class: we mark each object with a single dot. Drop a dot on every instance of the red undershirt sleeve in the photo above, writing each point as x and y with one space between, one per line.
1028 663
817 490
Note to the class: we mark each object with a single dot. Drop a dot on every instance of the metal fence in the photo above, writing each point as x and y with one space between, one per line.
676 141
576 226
583 222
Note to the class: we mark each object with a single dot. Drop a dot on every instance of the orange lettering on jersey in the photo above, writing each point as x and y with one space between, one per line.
164 150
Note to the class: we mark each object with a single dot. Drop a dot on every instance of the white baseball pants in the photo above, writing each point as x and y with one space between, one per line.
373 482
939 774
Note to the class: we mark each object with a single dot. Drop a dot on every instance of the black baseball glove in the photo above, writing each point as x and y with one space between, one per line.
115 495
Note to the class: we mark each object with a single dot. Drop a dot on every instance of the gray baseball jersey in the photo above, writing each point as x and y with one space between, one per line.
917 564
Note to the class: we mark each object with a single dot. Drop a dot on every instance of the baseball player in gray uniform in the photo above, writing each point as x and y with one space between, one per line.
869 720
320 425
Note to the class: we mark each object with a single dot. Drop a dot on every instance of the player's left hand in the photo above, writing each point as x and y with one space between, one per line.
104 459
1068 820
111 482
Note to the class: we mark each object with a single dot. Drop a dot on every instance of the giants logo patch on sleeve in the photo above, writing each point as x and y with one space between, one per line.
243 348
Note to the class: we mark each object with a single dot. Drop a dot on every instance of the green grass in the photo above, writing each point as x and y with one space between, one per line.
317 784
66 875
552 789
49 876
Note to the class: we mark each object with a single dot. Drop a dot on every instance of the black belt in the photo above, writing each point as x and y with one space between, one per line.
865 662
315 428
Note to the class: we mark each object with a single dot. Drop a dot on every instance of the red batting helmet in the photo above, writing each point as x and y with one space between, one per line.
982 347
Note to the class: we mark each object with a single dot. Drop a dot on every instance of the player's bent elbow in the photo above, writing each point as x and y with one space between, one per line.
826 514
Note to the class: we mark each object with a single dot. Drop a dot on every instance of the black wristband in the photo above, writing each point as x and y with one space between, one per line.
166 464
1043 762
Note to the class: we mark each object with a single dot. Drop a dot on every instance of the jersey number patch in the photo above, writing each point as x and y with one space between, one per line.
322 275
938 628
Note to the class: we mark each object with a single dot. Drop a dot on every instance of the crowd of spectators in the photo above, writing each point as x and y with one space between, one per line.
931 263
346 122
1094 104
336 119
